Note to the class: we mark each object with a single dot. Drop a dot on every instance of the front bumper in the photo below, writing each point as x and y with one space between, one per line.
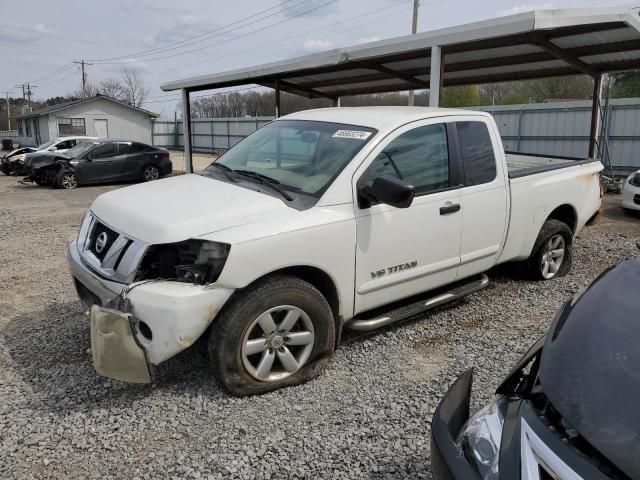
452 413
115 350
164 317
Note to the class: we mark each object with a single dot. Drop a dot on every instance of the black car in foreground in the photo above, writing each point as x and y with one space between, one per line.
99 161
570 409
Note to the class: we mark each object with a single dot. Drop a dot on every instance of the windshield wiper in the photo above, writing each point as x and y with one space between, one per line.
265 180
225 170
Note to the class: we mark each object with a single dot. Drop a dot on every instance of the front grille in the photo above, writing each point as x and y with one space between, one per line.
636 199
101 239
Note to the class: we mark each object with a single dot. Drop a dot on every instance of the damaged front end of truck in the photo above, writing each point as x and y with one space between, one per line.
147 302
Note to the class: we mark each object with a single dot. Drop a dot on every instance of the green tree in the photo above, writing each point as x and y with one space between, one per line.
625 85
461 96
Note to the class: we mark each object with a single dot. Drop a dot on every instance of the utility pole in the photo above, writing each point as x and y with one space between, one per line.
29 87
414 28
82 63
7 93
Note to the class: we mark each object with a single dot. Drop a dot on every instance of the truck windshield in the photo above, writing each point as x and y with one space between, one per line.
300 156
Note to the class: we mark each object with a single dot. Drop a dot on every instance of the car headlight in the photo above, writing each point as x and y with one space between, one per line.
191 261
480 439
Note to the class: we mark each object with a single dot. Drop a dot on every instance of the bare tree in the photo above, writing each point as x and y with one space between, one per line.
112 87
134 92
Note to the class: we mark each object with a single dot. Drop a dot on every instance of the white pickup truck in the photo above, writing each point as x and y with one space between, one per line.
321 220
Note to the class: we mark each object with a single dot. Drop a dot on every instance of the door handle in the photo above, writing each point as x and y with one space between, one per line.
449 208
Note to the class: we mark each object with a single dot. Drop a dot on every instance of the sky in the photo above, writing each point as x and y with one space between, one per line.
166 40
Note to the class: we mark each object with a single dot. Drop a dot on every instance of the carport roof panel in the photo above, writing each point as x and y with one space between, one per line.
533 44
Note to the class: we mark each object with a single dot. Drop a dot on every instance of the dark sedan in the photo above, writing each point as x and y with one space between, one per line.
568 409
100 161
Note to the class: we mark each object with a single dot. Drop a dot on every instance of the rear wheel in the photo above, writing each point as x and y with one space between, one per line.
150 173
67 180
551 255
276 333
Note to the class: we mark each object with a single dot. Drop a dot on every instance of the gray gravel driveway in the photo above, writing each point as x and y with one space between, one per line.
367 416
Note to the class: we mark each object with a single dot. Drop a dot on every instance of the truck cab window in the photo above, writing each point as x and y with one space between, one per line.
420 157
477 153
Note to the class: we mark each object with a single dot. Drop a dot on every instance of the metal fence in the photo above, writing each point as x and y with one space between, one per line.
560 128
8 134
209 134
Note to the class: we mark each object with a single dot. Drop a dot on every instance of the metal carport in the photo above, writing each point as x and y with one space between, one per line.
536 44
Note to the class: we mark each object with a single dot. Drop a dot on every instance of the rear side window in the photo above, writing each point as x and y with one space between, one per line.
104 150
477 153
420 157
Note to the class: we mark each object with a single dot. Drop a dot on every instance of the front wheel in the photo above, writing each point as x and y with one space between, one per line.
551 256
276 333
67 180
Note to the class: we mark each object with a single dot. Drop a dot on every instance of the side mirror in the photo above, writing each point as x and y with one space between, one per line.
386 189
51 149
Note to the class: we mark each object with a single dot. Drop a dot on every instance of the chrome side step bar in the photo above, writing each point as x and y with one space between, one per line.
401 313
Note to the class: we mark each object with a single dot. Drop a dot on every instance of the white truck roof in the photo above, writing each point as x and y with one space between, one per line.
379 118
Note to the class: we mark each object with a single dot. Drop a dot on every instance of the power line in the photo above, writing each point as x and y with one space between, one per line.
69 75
295 36
231 39
53 73
212 33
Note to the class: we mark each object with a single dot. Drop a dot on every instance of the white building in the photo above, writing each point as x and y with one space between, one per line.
98 116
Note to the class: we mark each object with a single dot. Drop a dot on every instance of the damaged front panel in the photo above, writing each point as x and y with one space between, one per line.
114 348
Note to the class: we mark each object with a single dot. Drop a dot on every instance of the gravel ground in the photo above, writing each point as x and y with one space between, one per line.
367 416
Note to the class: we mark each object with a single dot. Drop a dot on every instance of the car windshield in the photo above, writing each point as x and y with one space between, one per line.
79 149
590 365
301 156
46 145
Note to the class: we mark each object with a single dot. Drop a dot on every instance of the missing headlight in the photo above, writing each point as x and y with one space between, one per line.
191 261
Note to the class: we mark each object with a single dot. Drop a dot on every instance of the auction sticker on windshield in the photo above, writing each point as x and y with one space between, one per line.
356 134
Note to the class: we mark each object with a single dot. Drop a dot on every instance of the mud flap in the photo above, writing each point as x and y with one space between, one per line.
114 348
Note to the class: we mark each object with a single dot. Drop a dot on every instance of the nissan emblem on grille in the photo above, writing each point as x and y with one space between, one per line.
101 242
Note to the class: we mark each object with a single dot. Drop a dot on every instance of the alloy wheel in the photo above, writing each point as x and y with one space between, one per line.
278 343
552 256
151 173
69 181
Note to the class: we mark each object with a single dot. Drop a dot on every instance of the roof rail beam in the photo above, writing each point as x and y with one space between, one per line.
301 90
540 40
402 76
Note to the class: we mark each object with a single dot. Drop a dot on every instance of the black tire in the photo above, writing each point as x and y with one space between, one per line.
550 230
66 180
232 327
150 173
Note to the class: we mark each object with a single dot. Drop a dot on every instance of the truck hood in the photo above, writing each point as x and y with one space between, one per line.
182 207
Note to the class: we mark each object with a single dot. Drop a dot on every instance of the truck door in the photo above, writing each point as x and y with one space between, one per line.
404 251
485 200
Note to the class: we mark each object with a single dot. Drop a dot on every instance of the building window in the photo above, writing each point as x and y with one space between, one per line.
20 129
71 126
27 124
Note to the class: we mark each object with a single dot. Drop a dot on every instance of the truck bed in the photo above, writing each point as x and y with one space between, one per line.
523 164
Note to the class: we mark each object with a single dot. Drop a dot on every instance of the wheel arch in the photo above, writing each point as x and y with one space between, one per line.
566 214
319 279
